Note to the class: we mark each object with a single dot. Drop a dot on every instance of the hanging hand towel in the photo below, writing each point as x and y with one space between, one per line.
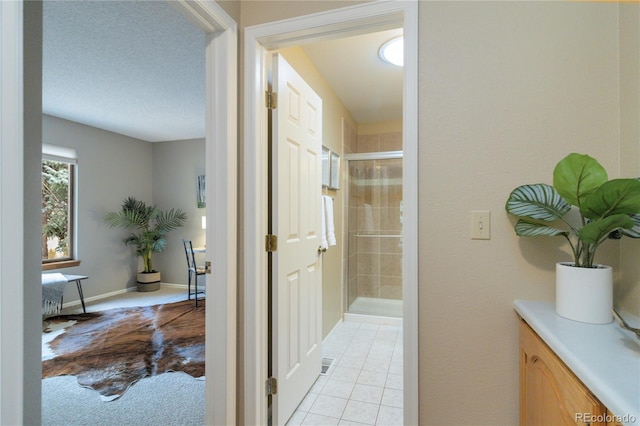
324 244
331 233
368 218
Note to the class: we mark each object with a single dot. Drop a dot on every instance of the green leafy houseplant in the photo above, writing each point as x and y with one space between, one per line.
151 224
607 208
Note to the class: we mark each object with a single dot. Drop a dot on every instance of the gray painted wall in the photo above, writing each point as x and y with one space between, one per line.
32 325
176 166
110 168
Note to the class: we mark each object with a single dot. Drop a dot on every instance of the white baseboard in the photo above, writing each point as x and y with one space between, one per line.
115 293
373 319
98 297
169 285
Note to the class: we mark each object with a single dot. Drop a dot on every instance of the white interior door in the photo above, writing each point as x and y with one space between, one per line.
297 272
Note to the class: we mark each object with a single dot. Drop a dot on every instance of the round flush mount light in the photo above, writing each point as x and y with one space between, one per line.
392 51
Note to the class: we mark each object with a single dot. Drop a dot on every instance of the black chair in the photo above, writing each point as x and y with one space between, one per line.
193 270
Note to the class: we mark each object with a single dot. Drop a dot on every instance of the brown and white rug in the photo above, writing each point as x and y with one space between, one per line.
111 350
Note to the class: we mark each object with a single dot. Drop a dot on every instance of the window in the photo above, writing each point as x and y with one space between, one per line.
58 206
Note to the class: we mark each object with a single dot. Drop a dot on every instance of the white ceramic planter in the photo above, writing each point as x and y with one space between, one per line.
584 294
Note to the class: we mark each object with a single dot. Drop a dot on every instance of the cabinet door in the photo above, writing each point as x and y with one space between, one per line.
612 420
550 394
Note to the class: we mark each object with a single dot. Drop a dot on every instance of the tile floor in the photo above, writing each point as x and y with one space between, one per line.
364 384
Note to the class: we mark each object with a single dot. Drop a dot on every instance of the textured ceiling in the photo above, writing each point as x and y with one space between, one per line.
138 68
134 68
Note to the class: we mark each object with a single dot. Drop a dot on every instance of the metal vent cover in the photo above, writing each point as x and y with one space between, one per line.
326 365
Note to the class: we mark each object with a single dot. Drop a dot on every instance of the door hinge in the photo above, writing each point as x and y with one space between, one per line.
271 243
272 386
271 100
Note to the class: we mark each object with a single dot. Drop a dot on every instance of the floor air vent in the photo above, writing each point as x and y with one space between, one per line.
326 365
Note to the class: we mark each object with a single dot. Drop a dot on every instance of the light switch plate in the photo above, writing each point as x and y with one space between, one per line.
480 225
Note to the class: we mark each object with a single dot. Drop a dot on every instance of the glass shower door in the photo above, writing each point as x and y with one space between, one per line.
375 235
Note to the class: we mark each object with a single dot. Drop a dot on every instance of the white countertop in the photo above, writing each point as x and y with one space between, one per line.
606 358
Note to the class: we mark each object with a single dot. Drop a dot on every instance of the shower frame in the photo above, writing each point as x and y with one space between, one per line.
364 156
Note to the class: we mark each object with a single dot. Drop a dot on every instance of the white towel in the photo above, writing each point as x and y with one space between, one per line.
367 226
324 244
328 209
52 289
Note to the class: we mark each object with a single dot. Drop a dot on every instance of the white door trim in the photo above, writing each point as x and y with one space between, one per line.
12 309
221 172
351 20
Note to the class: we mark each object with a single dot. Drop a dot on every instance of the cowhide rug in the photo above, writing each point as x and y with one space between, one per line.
111 350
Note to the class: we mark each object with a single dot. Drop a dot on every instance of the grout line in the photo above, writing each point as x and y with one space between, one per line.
351 340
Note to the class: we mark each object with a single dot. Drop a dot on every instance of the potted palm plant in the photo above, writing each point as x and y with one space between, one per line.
586 208
151 225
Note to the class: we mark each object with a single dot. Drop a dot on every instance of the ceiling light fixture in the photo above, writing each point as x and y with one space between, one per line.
392 51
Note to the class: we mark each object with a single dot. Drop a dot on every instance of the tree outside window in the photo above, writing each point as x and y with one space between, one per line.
57 210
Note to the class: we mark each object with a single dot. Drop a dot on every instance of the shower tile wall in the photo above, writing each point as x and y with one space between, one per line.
380 142
375 195
350 146
349 137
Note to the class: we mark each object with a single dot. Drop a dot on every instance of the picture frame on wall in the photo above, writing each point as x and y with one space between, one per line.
326 166
201 199
334 176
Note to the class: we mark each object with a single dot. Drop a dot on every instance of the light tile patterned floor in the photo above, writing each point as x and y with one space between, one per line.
363 385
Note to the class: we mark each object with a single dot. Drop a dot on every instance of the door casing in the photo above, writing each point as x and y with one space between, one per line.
13 372
221 170
361 19
221 140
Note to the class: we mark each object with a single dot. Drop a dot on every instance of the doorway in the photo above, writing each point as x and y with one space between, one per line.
20 276
258 41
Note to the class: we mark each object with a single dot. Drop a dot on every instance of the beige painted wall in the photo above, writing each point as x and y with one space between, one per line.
380 127
506 90
332 113
628 290
231 7
254 12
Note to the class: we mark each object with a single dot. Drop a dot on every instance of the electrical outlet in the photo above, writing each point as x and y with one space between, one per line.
480 225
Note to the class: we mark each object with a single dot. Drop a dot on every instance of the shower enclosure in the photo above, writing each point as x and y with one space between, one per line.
374 208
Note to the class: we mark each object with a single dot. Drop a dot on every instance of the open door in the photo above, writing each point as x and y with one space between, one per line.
296 264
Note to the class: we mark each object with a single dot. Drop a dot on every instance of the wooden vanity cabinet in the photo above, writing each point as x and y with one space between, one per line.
550 394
